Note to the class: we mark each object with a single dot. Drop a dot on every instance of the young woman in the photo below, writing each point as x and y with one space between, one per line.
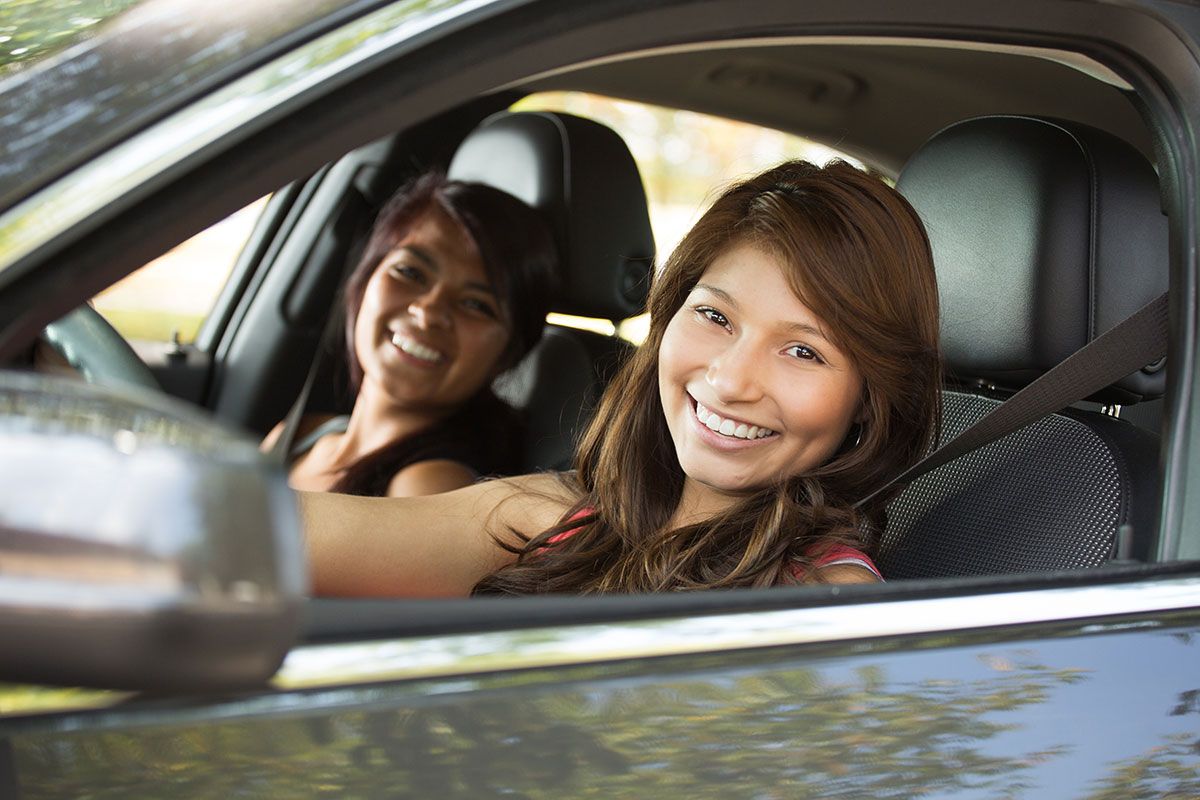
452 288
792 367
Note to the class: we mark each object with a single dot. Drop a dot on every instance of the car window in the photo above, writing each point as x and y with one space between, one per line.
169 298
685 159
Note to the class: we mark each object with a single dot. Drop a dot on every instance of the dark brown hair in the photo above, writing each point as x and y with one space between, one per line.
519 257
861 261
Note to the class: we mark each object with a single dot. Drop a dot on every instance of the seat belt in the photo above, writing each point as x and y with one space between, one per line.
283 445
1138 340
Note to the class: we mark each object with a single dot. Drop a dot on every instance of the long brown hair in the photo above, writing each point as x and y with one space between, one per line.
861 261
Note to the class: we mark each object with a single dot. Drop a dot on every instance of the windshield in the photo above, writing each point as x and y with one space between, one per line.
78 75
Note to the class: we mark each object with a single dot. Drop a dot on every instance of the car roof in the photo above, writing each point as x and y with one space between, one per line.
877 102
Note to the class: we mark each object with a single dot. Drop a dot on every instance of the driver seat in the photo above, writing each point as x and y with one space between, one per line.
581 176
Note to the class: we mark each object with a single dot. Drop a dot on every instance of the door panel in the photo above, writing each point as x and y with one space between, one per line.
1098 711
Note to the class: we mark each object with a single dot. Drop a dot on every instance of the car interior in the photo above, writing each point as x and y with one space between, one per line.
1078 242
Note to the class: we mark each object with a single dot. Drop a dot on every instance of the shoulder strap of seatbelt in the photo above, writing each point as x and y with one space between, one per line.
283 445
1138 340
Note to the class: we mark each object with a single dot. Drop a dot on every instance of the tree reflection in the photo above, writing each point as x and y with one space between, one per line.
1169 771
761 734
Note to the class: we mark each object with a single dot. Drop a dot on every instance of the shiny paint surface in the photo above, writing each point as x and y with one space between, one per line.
1062 711
124 513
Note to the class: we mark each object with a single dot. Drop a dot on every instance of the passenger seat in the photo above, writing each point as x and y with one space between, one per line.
1045 234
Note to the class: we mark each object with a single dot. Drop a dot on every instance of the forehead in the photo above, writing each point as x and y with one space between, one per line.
437 236
759 282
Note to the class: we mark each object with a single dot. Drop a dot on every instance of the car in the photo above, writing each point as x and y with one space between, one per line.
1039 634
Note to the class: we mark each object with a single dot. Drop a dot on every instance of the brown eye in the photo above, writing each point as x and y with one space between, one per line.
407 272
714 316
483 307
805 353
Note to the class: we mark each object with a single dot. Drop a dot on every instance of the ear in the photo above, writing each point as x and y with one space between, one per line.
861 415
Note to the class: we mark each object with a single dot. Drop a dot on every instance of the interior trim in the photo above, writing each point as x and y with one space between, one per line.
1076 61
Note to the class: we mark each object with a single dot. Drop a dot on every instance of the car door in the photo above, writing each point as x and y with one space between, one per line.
1057 685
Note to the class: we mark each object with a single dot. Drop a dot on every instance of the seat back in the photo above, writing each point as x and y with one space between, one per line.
581 176
1045 234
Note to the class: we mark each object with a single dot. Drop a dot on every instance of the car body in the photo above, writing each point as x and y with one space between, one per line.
1060 684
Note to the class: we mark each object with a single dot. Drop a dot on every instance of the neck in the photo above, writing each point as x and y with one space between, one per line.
697 503
377 421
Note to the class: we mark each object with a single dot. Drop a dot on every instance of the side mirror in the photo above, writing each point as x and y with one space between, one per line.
142 546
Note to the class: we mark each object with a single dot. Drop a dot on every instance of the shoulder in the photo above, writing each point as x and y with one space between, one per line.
530 503
849 573
841 564
433 476
308 424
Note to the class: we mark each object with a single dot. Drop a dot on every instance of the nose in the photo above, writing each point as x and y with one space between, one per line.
734 373
429 310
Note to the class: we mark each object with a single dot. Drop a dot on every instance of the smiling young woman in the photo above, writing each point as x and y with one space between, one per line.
791 368
452 288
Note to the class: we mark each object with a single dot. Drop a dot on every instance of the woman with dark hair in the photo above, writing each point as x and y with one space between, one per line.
452 289
792 368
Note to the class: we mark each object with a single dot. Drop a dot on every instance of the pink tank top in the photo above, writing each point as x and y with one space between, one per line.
838 554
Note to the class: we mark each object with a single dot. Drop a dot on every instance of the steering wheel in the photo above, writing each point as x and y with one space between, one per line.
94 348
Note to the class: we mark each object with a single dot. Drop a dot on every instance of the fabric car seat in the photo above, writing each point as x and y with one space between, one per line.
581 176
1045 234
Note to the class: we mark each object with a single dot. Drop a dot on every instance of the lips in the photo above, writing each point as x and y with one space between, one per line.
728 432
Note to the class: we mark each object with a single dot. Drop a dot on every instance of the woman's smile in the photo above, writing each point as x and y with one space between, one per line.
422 354
727 432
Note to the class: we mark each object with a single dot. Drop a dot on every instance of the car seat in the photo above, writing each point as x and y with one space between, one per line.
581 176
1045 234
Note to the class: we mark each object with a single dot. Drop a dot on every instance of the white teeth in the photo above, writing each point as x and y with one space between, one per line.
416 349
727 427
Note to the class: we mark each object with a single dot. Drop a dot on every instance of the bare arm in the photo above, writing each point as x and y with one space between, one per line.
435 546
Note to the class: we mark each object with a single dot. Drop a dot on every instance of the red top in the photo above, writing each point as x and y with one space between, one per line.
838 554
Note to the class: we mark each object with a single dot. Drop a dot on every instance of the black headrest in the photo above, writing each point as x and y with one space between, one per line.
1045 234
581 176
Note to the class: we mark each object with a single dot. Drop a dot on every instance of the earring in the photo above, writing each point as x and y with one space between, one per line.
858 438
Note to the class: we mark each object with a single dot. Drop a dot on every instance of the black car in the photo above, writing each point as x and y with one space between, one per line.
1039 633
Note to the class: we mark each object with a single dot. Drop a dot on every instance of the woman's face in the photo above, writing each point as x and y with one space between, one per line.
430 329
752 387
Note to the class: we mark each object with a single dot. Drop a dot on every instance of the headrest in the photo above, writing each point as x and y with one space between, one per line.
1045 234
581 176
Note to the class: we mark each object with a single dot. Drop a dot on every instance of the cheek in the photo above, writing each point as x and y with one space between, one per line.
485 344
672 353
824 407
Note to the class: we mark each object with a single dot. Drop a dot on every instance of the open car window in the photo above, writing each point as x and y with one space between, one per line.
379 99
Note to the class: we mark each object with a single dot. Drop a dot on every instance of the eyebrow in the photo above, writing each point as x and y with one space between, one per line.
792 327
427 258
